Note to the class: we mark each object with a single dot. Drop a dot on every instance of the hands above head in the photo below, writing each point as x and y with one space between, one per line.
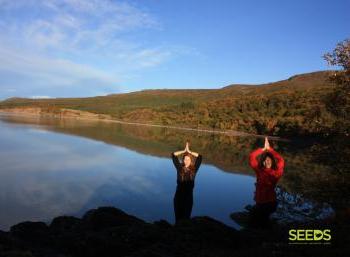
267 145
186 150
187 147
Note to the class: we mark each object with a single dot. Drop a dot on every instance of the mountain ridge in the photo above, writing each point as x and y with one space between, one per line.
280 108
230 86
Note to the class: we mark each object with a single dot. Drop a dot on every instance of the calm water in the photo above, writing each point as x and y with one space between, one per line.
52 167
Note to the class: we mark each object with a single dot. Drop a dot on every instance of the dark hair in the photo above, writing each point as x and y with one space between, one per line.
263 158
191 167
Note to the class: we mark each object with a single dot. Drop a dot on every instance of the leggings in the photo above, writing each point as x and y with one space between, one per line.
261 212
183 202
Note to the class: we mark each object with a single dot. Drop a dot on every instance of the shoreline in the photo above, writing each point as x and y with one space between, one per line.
84 115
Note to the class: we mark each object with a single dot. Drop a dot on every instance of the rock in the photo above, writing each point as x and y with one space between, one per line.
163 224
105 217
30 230
214 233
108 231
65 223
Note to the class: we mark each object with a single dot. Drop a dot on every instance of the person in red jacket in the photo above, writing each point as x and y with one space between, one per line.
268 166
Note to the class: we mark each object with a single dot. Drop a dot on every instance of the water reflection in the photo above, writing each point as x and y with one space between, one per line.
88 164
227 153
44 174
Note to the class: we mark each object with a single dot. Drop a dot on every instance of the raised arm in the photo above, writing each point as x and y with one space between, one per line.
176 161
177 153
198 161
253 162
279 163
194 154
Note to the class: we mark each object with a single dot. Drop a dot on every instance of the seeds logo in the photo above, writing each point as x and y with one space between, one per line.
309 236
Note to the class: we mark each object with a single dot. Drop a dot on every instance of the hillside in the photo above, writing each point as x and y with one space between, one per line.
288 107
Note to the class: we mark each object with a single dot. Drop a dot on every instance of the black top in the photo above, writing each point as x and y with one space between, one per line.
183 175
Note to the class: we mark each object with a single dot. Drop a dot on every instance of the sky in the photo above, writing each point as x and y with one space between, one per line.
79 48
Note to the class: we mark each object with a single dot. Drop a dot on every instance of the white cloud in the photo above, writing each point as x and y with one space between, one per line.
40 96
55 71
73 42
76 24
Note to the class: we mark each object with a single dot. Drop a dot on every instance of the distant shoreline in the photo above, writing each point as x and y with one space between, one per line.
84 115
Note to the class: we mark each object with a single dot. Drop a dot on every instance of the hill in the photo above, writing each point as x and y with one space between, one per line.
288 107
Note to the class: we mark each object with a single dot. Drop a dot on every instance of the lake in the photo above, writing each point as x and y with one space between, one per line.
52 167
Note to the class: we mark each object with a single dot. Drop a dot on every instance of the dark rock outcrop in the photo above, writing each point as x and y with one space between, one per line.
108 231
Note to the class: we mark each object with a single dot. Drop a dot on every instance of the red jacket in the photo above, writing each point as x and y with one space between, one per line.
266 179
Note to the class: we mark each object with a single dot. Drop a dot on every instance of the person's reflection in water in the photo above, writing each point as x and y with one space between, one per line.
268 166
186 173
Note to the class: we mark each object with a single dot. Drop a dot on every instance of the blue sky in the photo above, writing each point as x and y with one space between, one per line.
62 48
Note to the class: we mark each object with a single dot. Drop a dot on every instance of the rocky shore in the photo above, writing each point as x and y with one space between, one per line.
108 231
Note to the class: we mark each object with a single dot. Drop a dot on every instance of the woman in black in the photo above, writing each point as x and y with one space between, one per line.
186 172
